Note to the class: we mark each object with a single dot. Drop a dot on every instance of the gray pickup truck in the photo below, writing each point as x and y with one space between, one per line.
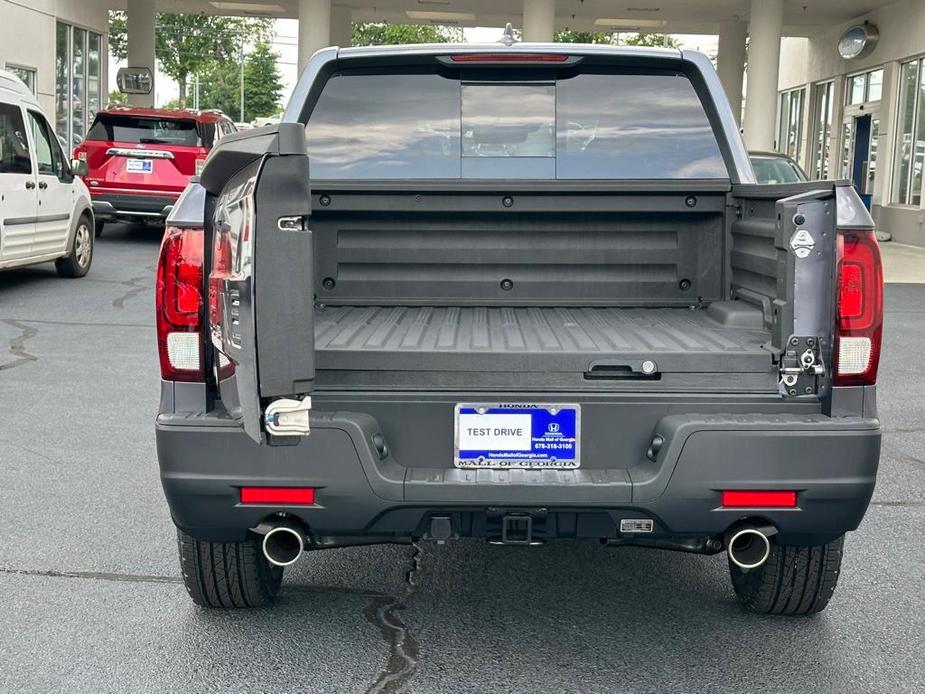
518 293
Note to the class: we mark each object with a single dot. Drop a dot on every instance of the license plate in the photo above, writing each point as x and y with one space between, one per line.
517 435
144 166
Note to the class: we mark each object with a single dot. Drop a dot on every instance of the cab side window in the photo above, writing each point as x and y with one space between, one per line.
48 154
14 146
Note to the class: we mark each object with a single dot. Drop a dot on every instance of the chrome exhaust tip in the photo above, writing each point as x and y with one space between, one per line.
283 544
749 546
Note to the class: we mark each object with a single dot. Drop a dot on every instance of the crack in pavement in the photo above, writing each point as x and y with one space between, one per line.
18 344
403 647
380 612
133 289
37 454
92 575
901 456
901 504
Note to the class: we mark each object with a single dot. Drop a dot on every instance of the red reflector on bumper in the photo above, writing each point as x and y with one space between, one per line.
765 499
284 496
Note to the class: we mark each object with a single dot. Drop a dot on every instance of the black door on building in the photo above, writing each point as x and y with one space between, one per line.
860 159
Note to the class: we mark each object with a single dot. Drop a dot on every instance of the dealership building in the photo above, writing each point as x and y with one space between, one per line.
839 85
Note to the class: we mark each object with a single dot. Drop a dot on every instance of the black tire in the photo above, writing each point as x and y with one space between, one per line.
98 228
80 256
793 581
227 574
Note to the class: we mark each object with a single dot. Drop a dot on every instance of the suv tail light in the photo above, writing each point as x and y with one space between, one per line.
180 305
859 308
200 165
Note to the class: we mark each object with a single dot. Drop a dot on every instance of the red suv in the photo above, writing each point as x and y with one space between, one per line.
139 160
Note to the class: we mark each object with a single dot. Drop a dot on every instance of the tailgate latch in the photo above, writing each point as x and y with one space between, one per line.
801 367
288 417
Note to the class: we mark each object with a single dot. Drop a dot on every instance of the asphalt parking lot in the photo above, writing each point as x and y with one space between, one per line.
89 581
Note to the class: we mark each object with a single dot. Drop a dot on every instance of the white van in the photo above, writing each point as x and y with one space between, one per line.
45 208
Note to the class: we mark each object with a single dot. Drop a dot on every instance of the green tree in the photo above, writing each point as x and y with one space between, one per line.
375 34
571 36
220 85
644 39
117 97
186 44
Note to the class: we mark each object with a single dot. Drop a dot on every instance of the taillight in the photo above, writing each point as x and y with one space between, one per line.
180 305
221 270
81 154
232 248
200 165
859 308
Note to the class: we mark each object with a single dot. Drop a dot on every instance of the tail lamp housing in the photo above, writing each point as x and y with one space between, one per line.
859 308
180 307
232 251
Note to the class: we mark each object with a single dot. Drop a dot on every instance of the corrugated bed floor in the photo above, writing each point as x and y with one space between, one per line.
594 331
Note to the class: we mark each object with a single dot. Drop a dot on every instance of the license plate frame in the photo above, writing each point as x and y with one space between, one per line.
554 437
142 166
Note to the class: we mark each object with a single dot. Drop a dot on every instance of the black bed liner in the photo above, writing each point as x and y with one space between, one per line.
551 339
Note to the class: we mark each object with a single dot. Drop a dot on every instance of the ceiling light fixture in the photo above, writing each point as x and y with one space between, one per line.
442 16
248 7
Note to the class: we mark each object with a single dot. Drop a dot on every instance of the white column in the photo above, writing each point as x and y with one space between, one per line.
314 28
764 31
730 63
139 27
341 26
539 20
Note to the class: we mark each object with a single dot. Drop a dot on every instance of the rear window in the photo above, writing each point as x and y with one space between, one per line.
14 147
145 130
776 170
589 126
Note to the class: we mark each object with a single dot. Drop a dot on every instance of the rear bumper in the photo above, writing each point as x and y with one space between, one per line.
110 205
363 495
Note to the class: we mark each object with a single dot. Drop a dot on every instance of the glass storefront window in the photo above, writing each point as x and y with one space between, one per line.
909 152
847 145
93 76
875 85
872 156
856 85
824 117
790 125
867 86
78 81
62 69
918 158
26 74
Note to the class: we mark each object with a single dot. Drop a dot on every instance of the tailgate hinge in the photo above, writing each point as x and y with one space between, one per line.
801 367
288 417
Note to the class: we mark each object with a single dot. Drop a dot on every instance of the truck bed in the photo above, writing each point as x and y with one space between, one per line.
598 345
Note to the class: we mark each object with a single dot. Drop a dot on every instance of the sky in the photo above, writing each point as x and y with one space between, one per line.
286 45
